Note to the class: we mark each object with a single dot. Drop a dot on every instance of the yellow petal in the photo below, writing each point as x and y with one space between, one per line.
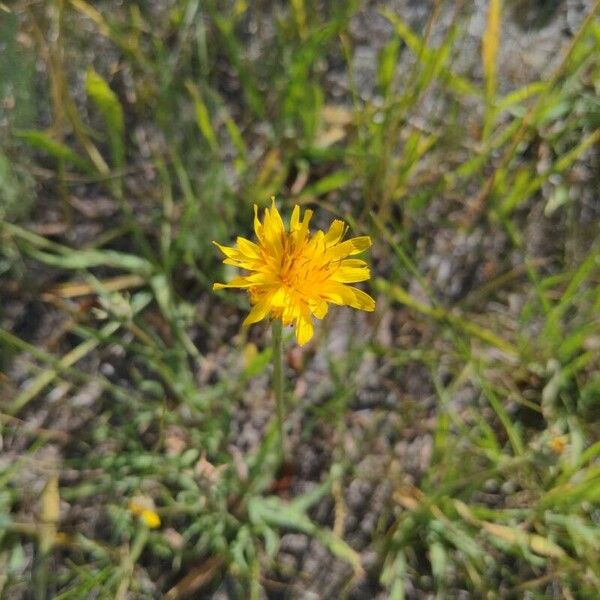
273 232
362 300
306 218
351 271
258 226
255 279
276 222
258 312
237 258
259 278
292 308
250 264
335 233
248 248
317 245
227 250
304 329
295 219
354 262
338 293
319 309
237 282
349 247
282 298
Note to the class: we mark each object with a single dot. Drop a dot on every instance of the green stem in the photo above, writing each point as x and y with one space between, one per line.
128 563
278 381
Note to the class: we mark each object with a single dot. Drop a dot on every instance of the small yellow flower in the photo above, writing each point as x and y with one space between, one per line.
293 274
150 518
143 508
558 444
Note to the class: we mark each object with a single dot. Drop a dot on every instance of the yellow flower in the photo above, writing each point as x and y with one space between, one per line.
293 274
143 508
558 444
150 518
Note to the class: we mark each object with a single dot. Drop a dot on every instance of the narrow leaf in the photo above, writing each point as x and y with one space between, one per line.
489 47
110 108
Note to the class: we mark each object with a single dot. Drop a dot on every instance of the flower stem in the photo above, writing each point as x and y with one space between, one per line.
278 382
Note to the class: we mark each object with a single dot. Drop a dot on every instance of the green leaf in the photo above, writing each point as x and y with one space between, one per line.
110 108
388 59
274 512
519 96
328 184
203 118
439 561
86 259
44 143
393 575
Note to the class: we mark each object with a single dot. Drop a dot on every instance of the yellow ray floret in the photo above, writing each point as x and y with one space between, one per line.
295 274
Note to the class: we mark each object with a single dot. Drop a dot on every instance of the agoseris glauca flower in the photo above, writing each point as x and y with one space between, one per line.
294 274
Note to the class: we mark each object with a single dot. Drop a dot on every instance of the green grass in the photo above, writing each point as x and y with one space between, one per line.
191 112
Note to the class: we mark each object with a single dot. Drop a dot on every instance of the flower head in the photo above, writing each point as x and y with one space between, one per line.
558 444
295 274
143 508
